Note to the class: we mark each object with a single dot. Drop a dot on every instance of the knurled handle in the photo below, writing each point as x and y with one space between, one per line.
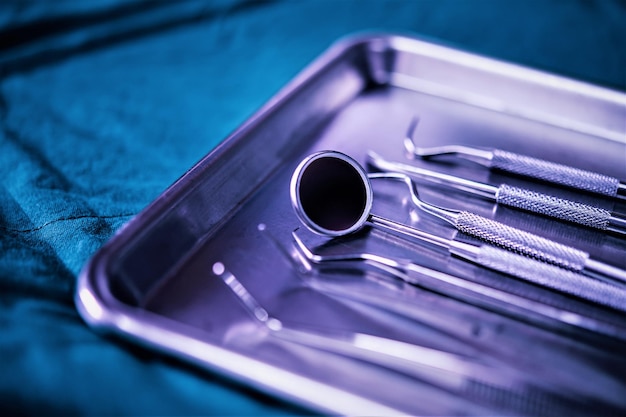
520 241
548 205
526 401
555 173
551 276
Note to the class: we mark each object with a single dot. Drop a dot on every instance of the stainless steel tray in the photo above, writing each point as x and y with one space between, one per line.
155 282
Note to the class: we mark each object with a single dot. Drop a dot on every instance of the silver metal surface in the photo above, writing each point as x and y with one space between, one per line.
521 198
154 282
522 165
520 241
552 277
559 208
556 173
535 246
499 260
332 195
473 187
511 238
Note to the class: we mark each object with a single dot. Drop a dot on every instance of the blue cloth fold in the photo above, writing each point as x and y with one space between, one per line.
100 117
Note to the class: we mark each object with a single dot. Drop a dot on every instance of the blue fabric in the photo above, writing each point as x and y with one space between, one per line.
103 106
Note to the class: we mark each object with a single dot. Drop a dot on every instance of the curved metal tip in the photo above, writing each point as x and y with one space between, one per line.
415 151
409 144
373 161
304 249
449 215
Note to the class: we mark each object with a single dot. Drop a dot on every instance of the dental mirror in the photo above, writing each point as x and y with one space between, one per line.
332 195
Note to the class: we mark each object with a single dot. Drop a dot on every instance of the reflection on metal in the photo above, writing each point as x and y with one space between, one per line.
460 375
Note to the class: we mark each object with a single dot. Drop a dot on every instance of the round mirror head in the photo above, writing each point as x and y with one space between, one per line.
331 193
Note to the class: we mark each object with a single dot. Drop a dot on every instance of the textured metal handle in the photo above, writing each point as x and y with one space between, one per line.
527 402
551 276
548 205
556 173
521 242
